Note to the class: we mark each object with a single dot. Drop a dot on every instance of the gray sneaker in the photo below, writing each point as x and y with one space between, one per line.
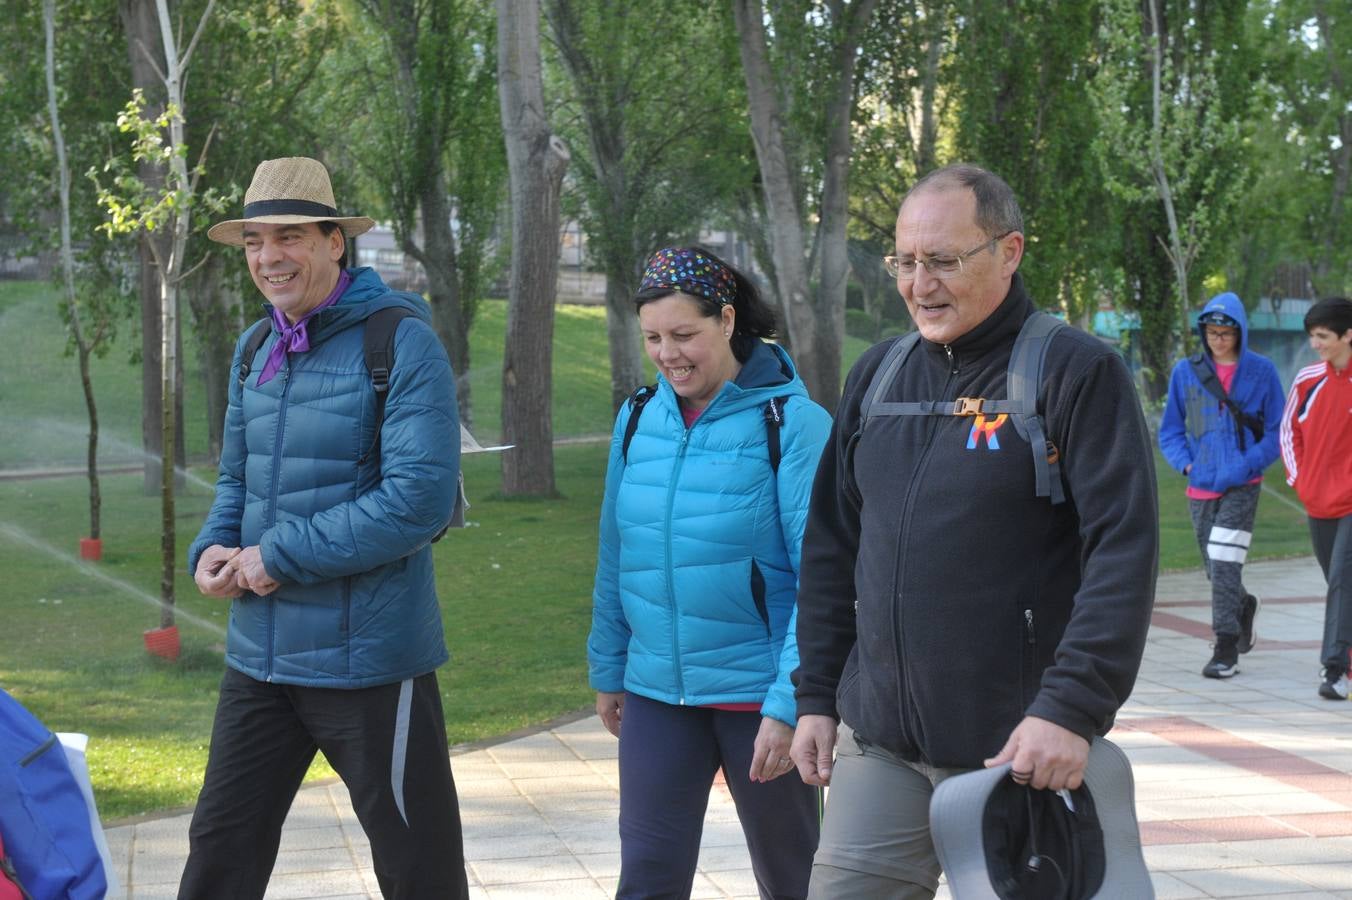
1248 611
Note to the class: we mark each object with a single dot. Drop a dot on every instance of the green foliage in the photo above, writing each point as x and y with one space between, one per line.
130 203
1205 78
1021 89
660 146
1301 141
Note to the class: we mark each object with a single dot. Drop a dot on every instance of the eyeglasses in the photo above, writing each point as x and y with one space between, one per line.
904 267
1222 333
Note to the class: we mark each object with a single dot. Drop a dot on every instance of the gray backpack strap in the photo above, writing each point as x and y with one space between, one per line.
883 377
1021 388
1022 381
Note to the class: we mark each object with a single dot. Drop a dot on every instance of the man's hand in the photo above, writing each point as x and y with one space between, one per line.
215 575
610 707
1044 755
814 745
250 574
771 757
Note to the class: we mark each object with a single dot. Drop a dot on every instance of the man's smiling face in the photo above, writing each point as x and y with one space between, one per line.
294 266
940 221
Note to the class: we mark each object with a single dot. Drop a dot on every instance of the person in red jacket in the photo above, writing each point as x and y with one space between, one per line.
1317 449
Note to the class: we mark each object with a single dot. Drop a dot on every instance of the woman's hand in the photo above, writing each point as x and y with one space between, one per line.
771 758
610 707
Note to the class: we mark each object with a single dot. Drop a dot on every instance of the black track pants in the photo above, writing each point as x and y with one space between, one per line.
388 743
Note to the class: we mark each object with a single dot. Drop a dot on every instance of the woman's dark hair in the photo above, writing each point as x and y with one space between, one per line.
1333 313
754 320
328 228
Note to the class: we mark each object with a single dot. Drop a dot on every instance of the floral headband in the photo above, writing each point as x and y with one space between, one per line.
690 272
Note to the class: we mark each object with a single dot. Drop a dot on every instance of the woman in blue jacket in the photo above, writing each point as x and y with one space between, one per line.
692 639
1220 429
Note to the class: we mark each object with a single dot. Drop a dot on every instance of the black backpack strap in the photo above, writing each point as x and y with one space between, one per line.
1211 383
378 351
258 333
637 399
1022 381
774 421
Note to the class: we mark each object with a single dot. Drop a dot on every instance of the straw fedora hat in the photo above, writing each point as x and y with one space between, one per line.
288 191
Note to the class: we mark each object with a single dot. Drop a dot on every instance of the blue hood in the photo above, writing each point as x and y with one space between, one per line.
1230 304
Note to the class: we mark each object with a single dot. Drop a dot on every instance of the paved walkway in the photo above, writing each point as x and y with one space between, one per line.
1243 787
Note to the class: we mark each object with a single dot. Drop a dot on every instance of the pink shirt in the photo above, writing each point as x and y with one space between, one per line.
1226 373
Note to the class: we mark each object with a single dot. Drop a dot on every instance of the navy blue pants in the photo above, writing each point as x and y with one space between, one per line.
388 743
668 758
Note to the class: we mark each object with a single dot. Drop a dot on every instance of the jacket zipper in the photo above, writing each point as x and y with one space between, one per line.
671 575
903 682
1030 634
285 375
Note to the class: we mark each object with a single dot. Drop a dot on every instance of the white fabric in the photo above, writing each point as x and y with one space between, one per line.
74 746
1227 553
1231 536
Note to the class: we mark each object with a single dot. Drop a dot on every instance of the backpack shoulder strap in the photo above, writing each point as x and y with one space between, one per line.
774 421
637 399
883 376
1022 382
258 333
378 352
1206 376
1211 383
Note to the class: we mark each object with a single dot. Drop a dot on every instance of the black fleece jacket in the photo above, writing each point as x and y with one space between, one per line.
940 601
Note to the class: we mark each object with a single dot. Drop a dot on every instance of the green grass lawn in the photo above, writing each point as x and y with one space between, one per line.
516 598
515 586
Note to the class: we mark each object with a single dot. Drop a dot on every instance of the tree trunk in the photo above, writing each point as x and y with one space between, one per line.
83 344
816 325
626 354
536 160
835 261
214 302
925 156
787 242
1178 255
614 241
140 23
438 258
1340 162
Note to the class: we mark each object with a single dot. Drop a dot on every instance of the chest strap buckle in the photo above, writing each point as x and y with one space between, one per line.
967 406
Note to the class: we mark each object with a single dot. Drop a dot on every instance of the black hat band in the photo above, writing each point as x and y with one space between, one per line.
261 208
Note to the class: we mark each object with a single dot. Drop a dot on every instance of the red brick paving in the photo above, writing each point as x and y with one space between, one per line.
1288 768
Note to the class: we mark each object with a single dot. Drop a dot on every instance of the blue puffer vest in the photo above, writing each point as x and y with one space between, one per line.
697 572
1196 430
349 541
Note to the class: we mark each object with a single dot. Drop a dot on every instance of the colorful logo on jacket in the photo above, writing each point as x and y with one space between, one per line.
984 427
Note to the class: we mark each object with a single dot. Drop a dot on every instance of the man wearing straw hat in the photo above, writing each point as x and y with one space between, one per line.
320 535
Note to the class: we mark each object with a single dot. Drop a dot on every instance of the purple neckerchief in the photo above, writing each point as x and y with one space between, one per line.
293 338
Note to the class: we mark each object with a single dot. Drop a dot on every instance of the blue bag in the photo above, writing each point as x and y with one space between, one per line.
43 816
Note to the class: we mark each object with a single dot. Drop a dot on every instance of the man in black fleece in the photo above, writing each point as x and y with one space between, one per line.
951 618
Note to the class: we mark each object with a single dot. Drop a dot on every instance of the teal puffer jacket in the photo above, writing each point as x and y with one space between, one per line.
349 541
697 574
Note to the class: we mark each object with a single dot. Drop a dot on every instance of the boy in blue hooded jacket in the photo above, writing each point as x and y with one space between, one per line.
1220 429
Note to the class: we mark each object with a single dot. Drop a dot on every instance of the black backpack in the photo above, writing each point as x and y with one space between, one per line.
378 352
774 421
1022 380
